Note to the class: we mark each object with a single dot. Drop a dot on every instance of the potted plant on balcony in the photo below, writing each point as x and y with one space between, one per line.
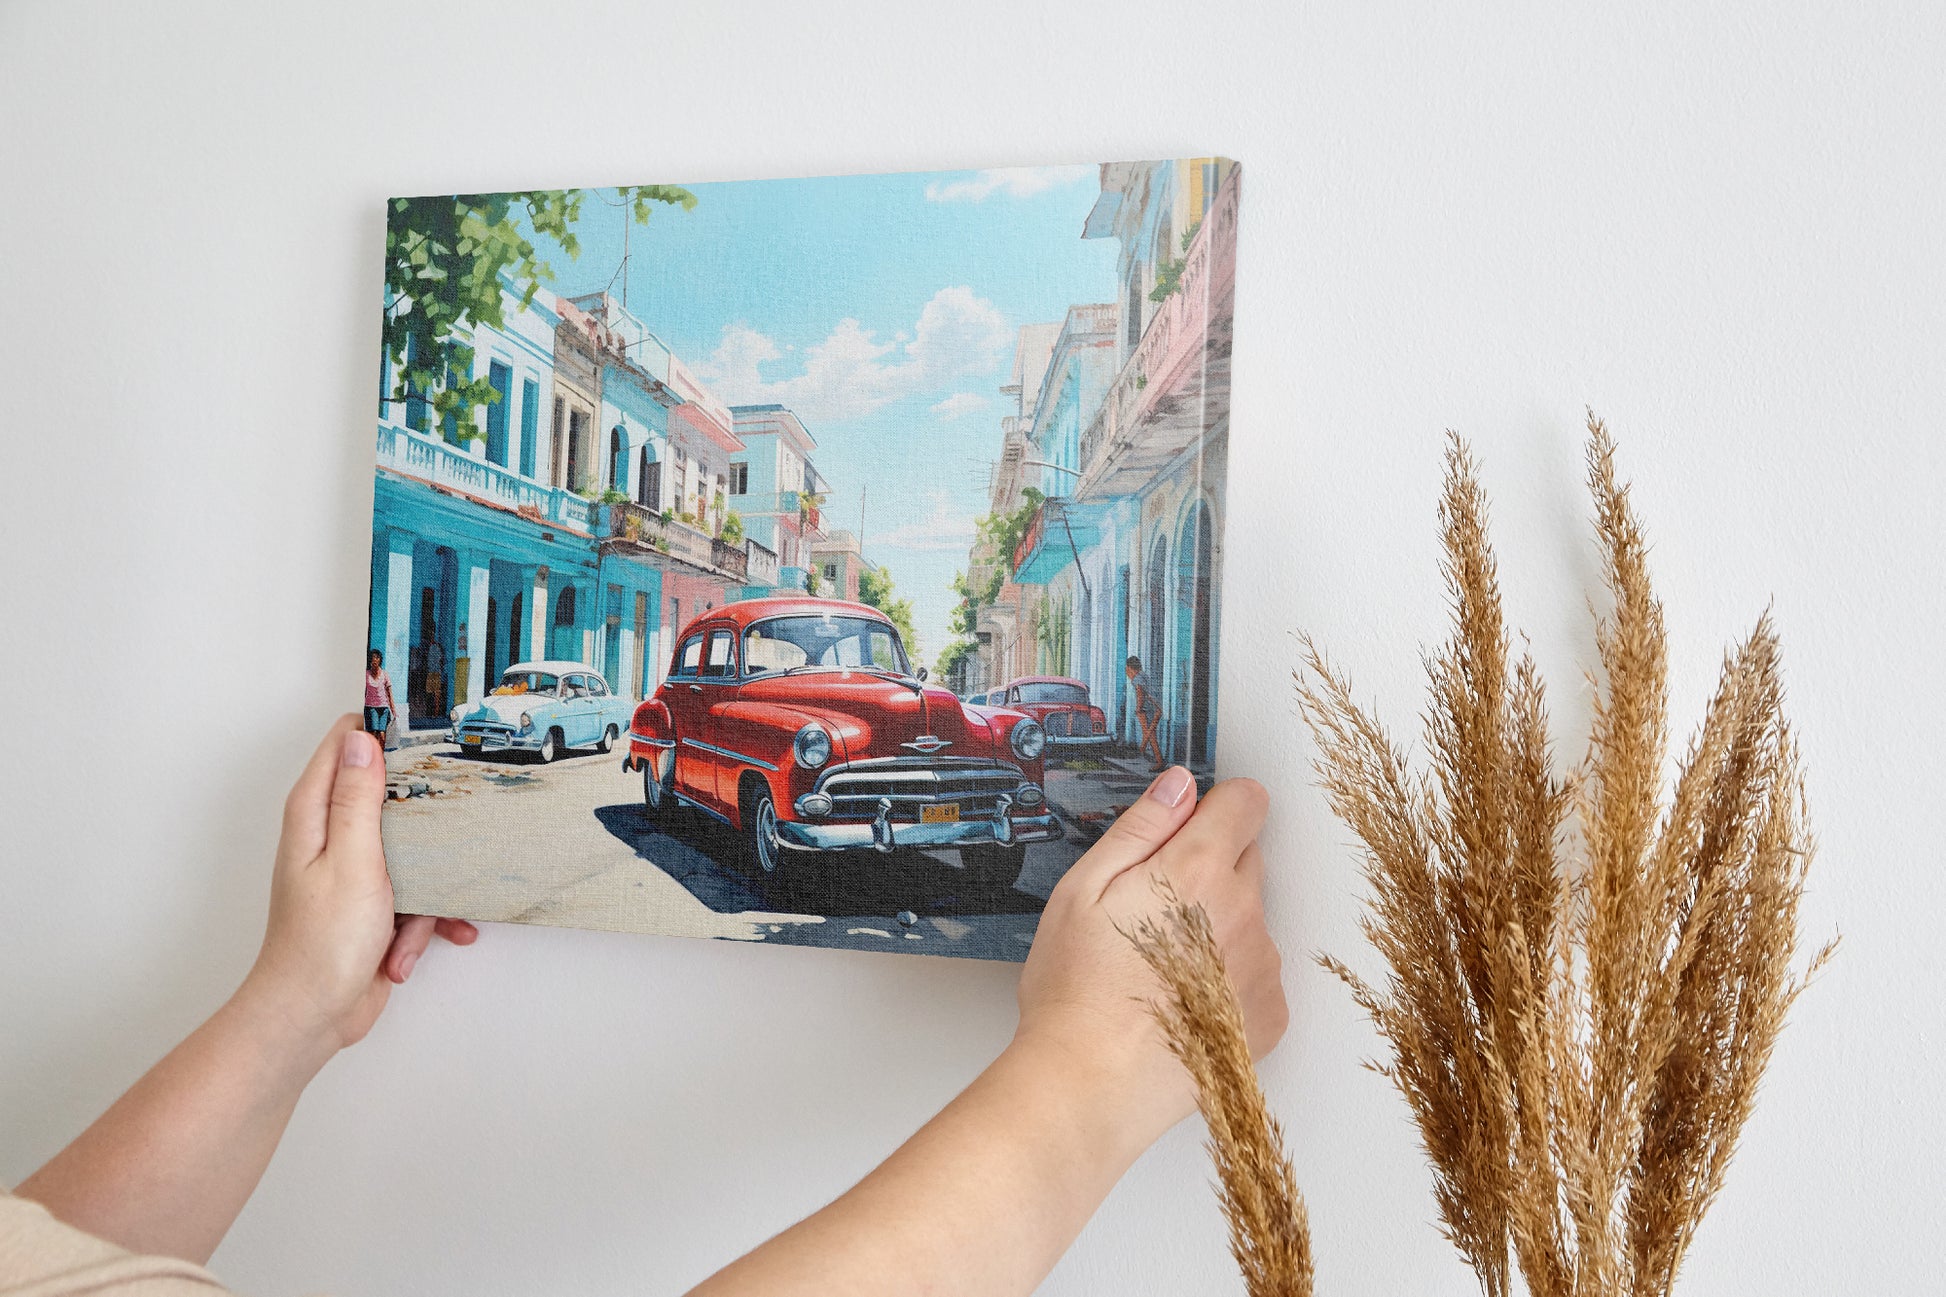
731 532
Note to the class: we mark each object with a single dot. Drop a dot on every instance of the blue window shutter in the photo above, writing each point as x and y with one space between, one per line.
530 400
501 379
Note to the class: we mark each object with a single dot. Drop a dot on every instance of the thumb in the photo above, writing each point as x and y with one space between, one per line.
1138 832
357 792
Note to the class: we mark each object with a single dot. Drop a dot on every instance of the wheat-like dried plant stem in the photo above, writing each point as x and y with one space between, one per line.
1585 979
1200 1017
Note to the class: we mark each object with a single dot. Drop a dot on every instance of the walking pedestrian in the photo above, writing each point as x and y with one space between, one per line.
1148 710
379 707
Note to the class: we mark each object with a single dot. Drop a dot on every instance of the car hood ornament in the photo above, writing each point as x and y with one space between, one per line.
928 744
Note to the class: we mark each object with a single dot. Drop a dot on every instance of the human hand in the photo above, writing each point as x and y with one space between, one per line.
1084 992
333 949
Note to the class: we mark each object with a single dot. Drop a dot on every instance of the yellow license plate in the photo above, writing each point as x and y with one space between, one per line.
470 740
944 813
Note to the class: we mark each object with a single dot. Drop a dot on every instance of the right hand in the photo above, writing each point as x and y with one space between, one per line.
1085 991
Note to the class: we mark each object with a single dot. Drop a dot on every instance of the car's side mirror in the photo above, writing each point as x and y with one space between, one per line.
922 673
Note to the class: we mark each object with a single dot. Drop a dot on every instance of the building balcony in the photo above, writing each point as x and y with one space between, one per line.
434 460
647 534
762 562
788 506
1059 532
1176 384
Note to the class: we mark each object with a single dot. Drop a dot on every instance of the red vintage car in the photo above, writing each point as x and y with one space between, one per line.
1061 706
799 724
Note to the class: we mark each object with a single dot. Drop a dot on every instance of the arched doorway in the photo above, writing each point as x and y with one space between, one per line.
564 645
517 630
1194 623
1155 657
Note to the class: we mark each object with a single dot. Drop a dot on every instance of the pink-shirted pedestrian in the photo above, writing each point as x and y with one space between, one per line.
379 708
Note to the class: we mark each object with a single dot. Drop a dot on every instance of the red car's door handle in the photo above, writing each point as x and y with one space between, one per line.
695 689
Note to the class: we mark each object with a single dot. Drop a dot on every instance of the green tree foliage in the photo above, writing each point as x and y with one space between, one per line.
813 581
732 530
1003 531
444 259
875 588
1168 273
952 655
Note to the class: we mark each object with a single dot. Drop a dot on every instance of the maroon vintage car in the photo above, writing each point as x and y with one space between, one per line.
1061 706
798 723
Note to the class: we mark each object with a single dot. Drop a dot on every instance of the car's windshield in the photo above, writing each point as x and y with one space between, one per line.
528 682
782 643
1047 691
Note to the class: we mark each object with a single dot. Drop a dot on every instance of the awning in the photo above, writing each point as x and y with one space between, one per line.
1062 530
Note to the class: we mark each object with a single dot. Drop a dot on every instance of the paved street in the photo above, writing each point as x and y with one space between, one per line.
569 844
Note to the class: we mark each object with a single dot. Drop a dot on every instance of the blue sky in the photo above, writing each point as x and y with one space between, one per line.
882 309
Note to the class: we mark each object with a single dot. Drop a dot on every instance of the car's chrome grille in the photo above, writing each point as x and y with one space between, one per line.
856 790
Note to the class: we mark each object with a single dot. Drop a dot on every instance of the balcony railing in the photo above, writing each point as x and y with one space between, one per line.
762 561
788 505
1161 401
636 524
433 459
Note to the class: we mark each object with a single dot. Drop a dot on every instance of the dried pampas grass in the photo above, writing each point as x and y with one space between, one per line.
1270 1236
1586 974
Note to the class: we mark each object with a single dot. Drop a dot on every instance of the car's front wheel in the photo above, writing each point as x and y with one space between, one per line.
550 747
770 861
607 743
994 868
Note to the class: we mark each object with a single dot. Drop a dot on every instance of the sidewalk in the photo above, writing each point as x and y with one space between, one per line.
1089 792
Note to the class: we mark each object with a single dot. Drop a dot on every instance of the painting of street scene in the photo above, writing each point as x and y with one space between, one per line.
813 562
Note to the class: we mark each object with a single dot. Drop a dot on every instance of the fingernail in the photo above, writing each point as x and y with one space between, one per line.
405 966
1171 786
358 751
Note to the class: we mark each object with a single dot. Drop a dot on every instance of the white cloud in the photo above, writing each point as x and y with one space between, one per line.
1015 182
850 374
942 529
960 404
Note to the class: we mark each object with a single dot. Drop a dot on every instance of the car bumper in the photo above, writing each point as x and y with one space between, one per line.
496 740
883 834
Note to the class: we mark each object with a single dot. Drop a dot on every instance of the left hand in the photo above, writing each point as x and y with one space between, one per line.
333 949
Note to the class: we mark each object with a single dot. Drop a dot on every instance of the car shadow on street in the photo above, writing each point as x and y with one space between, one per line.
695 851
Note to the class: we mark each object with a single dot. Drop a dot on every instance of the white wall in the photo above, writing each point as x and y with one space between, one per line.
1719 224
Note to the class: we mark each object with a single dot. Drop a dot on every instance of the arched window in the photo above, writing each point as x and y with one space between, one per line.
618 459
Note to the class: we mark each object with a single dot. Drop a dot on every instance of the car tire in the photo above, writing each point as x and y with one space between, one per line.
607 743
768 861
550 747
658 791
994 868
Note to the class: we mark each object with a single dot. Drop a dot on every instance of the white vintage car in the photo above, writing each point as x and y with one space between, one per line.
543 708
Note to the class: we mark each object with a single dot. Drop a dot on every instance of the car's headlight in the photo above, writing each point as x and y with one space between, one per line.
526 723
454 714
1029 740
811 747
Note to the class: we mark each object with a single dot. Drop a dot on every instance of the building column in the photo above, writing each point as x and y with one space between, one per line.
398 621
475 573
537 611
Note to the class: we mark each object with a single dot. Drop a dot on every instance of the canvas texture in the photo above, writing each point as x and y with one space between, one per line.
819 562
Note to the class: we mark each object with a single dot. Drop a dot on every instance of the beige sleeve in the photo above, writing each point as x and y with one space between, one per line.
41 1257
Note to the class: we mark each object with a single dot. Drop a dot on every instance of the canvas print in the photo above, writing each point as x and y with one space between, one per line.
818 561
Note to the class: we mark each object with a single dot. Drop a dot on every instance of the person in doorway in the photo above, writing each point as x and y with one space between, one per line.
1148 711
982 1200
379 707
435 677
